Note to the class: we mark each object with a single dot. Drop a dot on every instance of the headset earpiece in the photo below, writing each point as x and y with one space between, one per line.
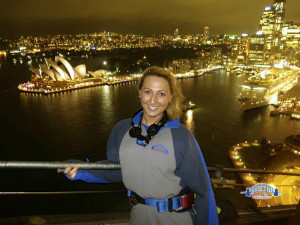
153 129
136 131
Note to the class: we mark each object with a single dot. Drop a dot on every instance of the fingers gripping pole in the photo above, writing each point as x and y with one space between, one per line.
56 165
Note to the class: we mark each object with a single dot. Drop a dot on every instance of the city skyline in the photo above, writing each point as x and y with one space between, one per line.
35 17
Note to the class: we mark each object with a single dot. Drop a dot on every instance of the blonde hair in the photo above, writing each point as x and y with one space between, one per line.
175 107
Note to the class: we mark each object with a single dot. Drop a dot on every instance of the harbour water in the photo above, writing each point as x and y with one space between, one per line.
76 125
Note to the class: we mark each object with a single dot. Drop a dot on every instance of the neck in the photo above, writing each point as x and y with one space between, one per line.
149 121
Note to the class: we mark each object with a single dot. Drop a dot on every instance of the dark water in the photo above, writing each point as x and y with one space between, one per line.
76 125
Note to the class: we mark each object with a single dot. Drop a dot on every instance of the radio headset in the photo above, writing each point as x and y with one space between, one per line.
136 131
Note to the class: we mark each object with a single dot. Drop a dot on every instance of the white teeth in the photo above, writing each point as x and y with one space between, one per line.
152 108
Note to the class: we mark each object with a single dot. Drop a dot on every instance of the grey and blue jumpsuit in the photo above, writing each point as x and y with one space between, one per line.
170 162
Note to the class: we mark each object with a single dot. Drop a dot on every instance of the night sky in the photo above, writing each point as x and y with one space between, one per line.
37 17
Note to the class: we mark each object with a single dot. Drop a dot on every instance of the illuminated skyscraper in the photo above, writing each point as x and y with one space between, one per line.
206 34
243 47
291 36
257 51
279 9
176 33
291 41
271 25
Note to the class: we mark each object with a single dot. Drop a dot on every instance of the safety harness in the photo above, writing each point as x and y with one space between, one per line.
182 202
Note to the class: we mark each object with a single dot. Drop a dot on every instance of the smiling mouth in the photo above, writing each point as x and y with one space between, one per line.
152 107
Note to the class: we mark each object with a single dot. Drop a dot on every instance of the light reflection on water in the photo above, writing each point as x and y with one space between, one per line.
189 121
77 124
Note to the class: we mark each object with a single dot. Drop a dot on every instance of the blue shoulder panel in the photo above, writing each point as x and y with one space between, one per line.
115 139
191 168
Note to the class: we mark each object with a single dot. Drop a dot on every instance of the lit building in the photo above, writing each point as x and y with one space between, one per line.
271 24
176 33
257 51
243 48
267 25
291 36
181 66
57 76
206 35
216 55
279 9
59 70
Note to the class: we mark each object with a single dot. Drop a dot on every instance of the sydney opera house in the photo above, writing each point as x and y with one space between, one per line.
59 75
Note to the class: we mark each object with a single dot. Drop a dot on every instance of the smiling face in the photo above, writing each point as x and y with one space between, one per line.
155 96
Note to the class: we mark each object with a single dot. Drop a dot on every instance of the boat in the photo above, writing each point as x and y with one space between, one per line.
236 69
295 116
249 71
189 105
239 73
262 88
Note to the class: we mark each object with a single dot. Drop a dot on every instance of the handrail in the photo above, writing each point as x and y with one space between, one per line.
114 166
254 171
57 164
58 192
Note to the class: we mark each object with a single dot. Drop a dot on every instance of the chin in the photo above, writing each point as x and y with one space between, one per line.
153 113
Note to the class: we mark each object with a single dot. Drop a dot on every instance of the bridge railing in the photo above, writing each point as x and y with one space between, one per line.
114 166
216 177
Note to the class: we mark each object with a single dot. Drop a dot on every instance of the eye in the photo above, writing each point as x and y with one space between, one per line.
162 94
147 92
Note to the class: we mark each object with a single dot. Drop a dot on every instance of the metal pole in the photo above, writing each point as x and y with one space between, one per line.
233 170
56 165
58 192
114 166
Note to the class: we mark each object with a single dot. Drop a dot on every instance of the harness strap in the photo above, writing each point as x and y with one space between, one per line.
179 203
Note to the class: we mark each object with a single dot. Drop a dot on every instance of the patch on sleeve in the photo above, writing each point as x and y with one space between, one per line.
160 148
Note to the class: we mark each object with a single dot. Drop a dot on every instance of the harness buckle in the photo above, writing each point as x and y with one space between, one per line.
178 204
193 211
133 201
187 199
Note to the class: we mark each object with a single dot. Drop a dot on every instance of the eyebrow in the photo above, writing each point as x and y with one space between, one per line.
157 90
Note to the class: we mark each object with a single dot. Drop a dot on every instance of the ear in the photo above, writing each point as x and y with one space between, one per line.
139 93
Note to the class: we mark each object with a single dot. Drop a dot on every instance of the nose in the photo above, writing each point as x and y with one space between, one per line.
153 99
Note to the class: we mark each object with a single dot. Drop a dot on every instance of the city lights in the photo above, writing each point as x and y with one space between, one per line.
265 62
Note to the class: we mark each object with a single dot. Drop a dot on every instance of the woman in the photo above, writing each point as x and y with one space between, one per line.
162 164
